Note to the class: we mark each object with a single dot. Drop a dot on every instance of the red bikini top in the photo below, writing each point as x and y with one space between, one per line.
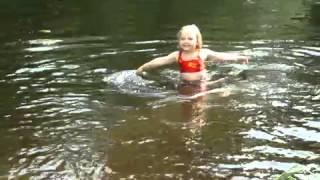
190 66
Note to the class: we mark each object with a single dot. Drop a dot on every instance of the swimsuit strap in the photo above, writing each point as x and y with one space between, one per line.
199 54
180 56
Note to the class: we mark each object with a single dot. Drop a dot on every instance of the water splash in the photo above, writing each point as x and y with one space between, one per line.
128 82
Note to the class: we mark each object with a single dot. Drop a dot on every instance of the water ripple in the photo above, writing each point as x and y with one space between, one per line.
79 118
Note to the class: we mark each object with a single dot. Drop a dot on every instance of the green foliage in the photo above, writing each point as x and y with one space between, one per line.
288 175
297 171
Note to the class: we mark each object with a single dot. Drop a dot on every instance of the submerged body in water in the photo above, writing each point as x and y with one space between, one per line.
165 84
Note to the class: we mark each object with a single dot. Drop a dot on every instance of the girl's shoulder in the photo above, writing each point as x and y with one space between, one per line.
174 54
208 53
204 52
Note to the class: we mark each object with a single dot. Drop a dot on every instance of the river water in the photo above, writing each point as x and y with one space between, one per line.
72 107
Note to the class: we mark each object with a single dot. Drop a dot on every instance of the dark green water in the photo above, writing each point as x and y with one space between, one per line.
72 108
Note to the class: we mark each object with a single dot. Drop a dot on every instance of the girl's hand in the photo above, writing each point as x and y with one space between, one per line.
140 72
243 59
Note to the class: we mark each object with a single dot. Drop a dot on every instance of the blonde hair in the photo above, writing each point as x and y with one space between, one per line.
193 28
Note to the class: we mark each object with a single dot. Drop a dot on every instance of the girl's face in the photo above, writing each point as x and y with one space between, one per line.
188 41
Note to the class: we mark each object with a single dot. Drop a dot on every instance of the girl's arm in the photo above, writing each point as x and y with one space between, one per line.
222 57
157 62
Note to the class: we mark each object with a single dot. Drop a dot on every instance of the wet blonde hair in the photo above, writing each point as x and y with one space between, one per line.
194 29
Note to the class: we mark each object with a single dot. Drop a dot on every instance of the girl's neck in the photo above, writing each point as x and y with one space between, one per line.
190 51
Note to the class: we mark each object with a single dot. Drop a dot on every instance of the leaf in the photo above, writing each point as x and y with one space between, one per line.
289 173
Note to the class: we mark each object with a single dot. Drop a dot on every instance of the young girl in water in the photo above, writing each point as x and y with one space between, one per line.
191 59
191 56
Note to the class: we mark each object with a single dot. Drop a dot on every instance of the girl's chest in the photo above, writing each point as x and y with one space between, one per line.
193 56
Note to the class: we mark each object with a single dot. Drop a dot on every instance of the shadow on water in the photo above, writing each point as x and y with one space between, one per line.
72 106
